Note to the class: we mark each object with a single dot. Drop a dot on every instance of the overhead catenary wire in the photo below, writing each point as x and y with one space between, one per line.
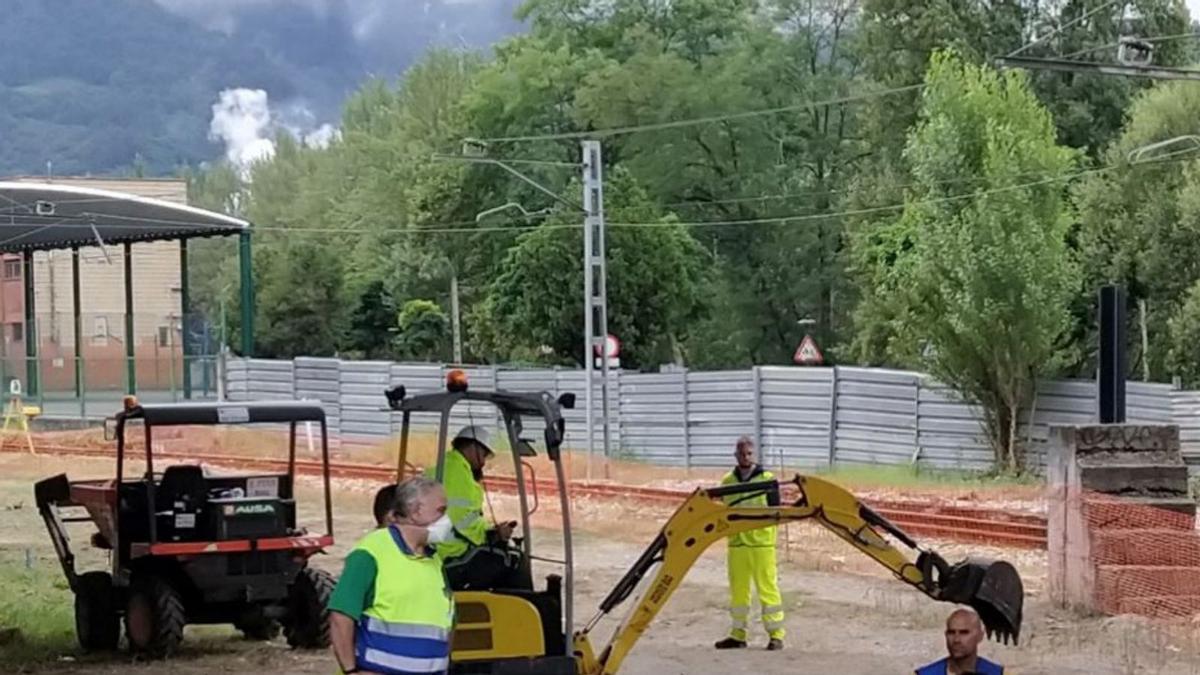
1176 156
708 119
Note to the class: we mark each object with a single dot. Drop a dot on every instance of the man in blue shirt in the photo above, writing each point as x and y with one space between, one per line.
964 632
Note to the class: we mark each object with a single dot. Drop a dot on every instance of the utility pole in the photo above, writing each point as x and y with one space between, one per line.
456 326
595 293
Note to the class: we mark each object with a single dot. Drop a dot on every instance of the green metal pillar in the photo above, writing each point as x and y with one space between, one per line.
31 337
247 278
184 310
130 363
77 318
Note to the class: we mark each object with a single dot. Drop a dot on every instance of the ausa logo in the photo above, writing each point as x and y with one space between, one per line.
249 509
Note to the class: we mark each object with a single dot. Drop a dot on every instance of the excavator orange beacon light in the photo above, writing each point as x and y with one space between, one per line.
456 380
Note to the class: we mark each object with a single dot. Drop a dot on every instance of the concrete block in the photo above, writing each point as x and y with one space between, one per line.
1150 480
1148 440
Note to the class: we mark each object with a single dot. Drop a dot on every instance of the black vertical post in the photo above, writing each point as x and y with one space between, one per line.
1111 374
31 334
184 311
130 363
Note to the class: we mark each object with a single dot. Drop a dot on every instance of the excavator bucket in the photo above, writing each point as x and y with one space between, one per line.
991 588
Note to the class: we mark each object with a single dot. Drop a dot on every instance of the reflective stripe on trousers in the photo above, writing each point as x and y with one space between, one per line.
754 565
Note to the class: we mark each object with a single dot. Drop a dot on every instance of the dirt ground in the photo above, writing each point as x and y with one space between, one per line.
845 614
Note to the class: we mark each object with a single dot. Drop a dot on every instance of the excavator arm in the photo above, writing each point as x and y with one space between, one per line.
993 589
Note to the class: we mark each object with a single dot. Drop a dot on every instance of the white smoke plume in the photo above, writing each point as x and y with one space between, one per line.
242 119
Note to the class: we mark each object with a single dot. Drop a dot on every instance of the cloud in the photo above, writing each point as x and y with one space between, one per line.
224 15
242 119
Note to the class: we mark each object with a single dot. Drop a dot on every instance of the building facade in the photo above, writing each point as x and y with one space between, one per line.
157 301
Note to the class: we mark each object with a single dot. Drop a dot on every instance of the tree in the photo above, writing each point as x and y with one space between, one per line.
1139 219
372 323
655 285
301 303
1184 331
423 331
979 277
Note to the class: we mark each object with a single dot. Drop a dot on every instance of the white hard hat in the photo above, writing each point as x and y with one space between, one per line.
475 433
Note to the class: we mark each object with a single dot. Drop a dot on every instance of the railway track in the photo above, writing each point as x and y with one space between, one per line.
975 525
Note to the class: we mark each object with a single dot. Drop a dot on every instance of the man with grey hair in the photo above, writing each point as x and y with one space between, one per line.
392 611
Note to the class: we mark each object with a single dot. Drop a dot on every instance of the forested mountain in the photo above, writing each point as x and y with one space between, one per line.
128 85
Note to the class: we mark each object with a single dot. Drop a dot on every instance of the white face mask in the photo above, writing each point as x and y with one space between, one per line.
441 530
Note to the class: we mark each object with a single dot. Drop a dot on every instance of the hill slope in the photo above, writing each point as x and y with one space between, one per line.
101 86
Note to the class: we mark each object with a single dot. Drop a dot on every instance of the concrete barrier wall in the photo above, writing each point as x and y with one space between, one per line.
802 417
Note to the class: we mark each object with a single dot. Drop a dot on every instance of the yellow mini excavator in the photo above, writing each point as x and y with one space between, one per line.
525 630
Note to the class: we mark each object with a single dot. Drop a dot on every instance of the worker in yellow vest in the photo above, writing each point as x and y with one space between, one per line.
392 611
479 557
752 557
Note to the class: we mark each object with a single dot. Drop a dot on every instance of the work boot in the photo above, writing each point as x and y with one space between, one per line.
774 645
730 643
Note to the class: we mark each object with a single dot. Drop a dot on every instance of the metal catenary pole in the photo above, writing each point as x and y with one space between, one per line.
595 294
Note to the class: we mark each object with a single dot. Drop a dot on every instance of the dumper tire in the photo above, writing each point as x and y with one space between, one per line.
307 625
97 623
154 617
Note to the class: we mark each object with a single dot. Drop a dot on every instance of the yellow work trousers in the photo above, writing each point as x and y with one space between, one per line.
757 564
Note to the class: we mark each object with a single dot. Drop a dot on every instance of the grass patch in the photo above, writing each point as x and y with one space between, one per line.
883 475
37 616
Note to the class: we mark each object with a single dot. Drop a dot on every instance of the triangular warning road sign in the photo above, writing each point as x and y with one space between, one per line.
808 354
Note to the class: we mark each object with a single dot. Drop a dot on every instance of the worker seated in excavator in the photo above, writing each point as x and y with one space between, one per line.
479 557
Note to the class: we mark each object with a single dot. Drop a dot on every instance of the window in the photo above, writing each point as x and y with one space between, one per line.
18 332
12 269
164 336
100 331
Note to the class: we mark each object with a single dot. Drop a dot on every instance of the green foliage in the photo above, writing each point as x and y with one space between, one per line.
372 323
655 283
1184 334
908 221
302 308
1139 222
977 284
423 329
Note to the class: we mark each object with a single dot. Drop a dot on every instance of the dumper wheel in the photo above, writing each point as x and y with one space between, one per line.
307 625
154 617
97 624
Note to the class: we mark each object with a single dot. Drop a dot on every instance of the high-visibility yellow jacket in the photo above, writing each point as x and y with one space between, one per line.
464 503
407 626
764 536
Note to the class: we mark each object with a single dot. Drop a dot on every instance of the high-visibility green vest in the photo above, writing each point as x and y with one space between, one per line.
407 627
464 504
764 536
